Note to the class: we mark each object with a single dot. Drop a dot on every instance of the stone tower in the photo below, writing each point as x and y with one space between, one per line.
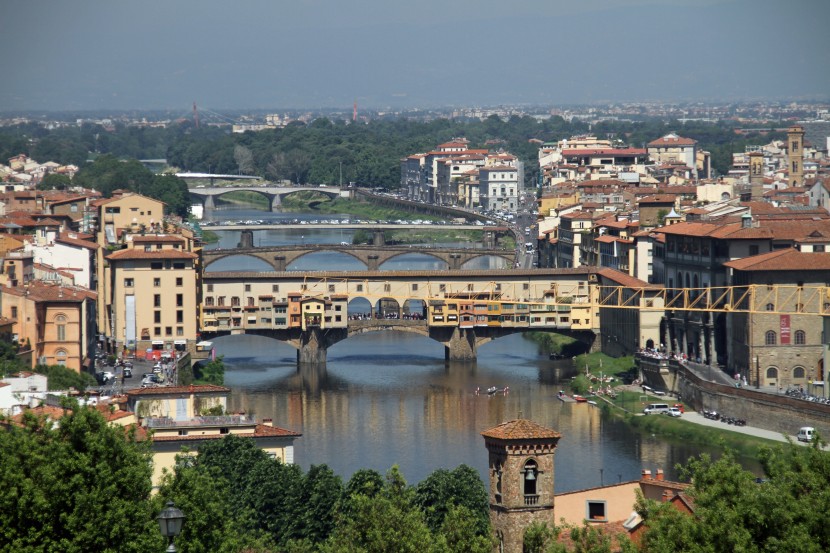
795 154
756 175
521 479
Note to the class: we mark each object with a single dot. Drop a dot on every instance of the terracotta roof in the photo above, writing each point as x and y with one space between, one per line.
624 279
672 139
132 253
169 390
659 198
40 291
604 152
788 259
74 240
158 239
521 429
260 431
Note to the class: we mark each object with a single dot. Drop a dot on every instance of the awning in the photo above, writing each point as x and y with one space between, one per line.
158 342
204 344
180 342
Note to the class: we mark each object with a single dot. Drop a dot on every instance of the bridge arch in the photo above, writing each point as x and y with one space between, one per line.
227 263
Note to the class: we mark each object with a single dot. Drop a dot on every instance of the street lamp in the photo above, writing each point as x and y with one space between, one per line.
170 524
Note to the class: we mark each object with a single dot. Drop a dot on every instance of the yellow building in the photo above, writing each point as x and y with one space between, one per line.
152 294
177 418
56 321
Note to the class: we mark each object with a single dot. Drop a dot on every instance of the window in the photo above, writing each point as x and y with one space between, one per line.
60 356
595 510
235 301
770 338
178 265
112 210
275 287
156 282
157 331
128 283
210 287
168 330
247 287
531 478
179 300
250 301
157 300
800 337
387 287
331 288
772 373
359 287
156 265
179 331
209 300
798 372
414 287
442 287
179 316
14 312
157 317
770 307
221 300
795 146
179 281
61 332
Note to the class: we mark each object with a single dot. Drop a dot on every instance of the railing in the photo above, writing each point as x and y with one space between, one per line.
223 420
531 499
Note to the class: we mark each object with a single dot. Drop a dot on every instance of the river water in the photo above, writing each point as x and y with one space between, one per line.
389 398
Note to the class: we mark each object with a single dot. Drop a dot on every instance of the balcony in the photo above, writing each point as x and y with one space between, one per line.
532 499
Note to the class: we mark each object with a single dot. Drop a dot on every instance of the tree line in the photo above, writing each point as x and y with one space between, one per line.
84 485
326 152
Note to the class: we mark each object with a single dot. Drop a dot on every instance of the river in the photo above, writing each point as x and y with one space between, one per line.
389 398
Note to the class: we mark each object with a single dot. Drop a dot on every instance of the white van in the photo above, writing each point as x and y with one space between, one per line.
656 408
805 434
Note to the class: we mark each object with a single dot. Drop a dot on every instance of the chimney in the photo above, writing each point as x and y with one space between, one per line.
659 475
646 474
268 422
667 496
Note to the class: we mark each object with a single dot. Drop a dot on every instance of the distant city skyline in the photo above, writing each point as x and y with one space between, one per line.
313 54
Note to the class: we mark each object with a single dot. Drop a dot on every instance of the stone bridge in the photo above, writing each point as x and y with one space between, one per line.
280 257
274 194
460 344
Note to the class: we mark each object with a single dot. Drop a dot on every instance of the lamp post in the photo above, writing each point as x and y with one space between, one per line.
170 524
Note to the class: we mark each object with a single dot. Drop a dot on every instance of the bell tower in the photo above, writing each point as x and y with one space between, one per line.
756 175
521 479
795 154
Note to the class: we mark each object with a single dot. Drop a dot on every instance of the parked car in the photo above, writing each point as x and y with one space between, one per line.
128 372
680 406
806 433
656 408
108 376
674 412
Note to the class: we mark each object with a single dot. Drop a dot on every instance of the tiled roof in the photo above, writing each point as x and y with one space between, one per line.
624 279
260 431
521 429
170 390
74 240
158 239
40 291
604 152
788 259
132 253
672 139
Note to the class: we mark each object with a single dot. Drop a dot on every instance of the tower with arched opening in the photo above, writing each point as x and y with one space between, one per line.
521 479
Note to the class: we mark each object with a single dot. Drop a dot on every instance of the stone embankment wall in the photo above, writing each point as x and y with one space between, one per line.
778 413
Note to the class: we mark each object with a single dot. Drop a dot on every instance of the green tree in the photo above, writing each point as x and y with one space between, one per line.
55 181
785 511
212 372
63 378
444 489
459 532
77 486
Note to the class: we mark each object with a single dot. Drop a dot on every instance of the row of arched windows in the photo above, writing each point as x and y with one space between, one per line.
798 373
771 338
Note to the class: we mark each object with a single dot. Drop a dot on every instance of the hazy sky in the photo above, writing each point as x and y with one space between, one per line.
147 54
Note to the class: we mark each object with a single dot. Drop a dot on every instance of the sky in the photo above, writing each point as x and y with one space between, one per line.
307 54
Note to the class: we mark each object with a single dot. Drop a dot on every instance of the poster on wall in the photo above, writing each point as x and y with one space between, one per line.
785 329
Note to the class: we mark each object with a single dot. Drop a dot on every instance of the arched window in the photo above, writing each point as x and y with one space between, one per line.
770 338
530 476
60 328
60 356
772 373
770 307
798 372
800 337
60 318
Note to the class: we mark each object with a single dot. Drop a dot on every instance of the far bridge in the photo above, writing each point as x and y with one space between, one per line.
273 193
372 256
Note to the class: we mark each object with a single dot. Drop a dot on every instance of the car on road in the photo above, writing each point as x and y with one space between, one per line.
656 408
107 376
674 412
128 372
806 433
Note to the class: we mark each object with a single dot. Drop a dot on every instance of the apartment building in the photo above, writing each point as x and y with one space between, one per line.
56 322
153 299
